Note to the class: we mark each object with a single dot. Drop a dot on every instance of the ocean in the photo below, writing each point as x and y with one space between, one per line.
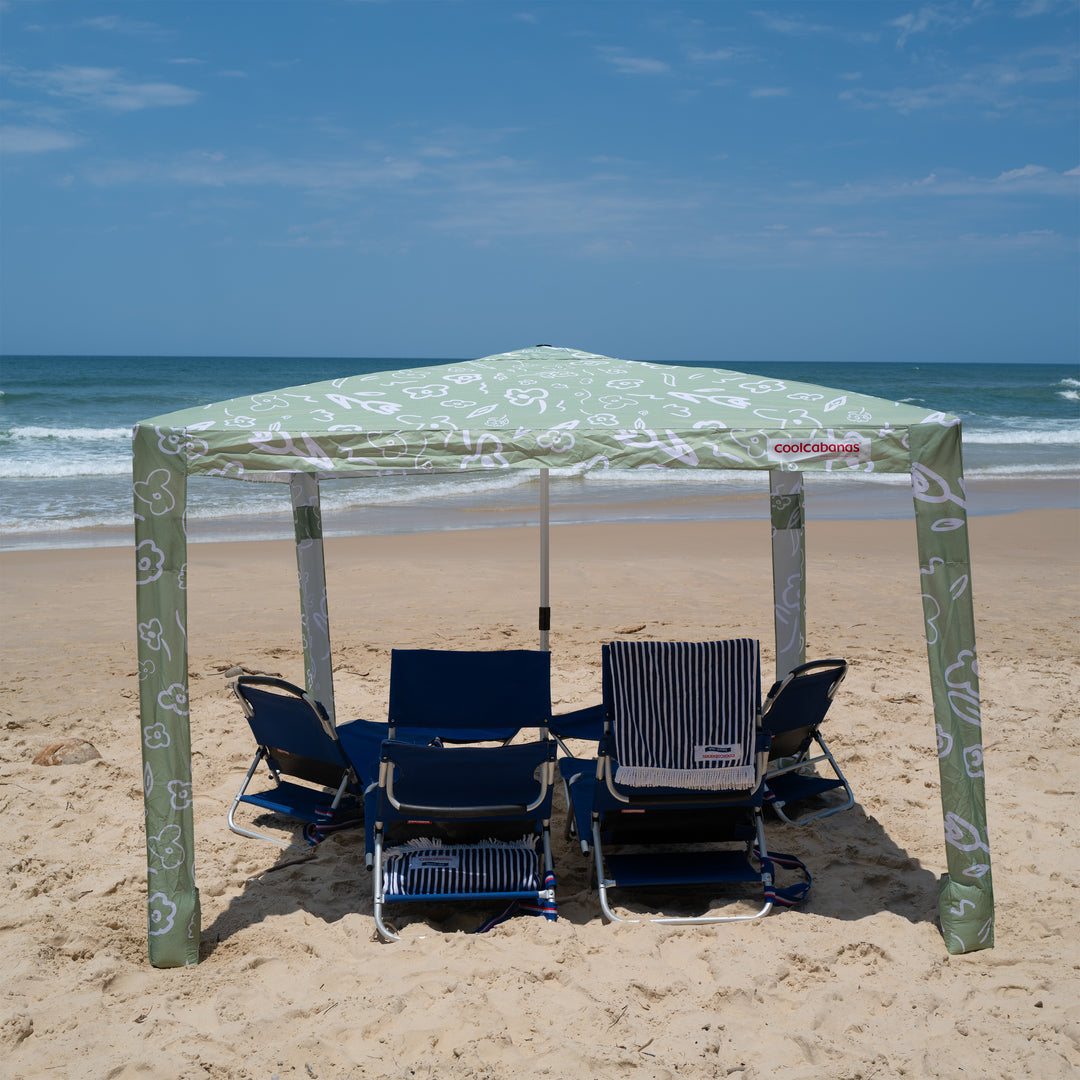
65 429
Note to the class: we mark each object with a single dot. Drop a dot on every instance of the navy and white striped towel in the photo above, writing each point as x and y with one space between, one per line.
685 713
425 867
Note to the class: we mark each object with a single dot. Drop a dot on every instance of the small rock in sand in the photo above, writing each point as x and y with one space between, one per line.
67 752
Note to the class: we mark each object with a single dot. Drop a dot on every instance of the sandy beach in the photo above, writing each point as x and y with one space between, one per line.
854 984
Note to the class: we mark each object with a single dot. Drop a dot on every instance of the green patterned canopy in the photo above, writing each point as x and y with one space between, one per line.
540 408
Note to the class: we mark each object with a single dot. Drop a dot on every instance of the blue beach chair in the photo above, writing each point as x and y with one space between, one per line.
362 739
678 776
793 713
465 823
314 781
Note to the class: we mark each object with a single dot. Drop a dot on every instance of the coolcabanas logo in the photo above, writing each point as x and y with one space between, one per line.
847 448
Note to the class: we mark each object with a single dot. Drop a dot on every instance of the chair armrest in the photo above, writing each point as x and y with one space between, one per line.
586 723
425 812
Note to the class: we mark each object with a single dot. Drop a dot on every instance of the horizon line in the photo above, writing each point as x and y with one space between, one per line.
466 359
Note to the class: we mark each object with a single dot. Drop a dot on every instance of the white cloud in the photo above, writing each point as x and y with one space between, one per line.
483 199
1026 242
118 25
1017 174
796 26
813 245
105 88
997 86
770 92
791 24
701 56
1031 8
215 169
632 65
912 23
830 232
438 150
35 140
927 18
325 233
1047 64
1028 180
514 208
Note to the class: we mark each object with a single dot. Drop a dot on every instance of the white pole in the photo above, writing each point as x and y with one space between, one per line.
545 583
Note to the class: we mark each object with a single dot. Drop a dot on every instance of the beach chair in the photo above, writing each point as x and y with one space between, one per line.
362 739
792 714
465 822
314 781
674 795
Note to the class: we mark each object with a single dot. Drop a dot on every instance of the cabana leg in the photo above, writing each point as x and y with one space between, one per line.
160 489
789 569
966 901
311 567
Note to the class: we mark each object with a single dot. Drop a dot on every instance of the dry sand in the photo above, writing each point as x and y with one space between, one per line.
855 984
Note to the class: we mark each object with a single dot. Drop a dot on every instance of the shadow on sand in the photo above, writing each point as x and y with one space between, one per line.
858 871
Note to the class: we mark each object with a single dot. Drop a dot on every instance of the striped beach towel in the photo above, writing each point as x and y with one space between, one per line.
426 867
685 713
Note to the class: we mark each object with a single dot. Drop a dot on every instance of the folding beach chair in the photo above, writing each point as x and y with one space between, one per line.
678 776
362 739
465 823
314 781
793 712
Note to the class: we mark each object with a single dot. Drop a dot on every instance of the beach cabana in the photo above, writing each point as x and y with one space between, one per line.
545 408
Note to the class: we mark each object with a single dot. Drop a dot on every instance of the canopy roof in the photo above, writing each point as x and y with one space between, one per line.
535 409
543 407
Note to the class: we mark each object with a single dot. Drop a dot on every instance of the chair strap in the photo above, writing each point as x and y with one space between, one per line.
317 831
544 905
789 895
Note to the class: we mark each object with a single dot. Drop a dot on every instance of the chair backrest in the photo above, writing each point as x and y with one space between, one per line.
470 696
293 727
470 781
684 714
797 704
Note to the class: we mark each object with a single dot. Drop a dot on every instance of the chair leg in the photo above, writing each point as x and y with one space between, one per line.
766 883
546 898
603 883
239 829
385 932
569 829
839 776
826 755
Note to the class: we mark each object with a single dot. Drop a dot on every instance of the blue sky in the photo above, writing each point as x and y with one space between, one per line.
712 181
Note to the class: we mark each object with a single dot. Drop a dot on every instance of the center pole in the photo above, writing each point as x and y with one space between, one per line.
545 584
